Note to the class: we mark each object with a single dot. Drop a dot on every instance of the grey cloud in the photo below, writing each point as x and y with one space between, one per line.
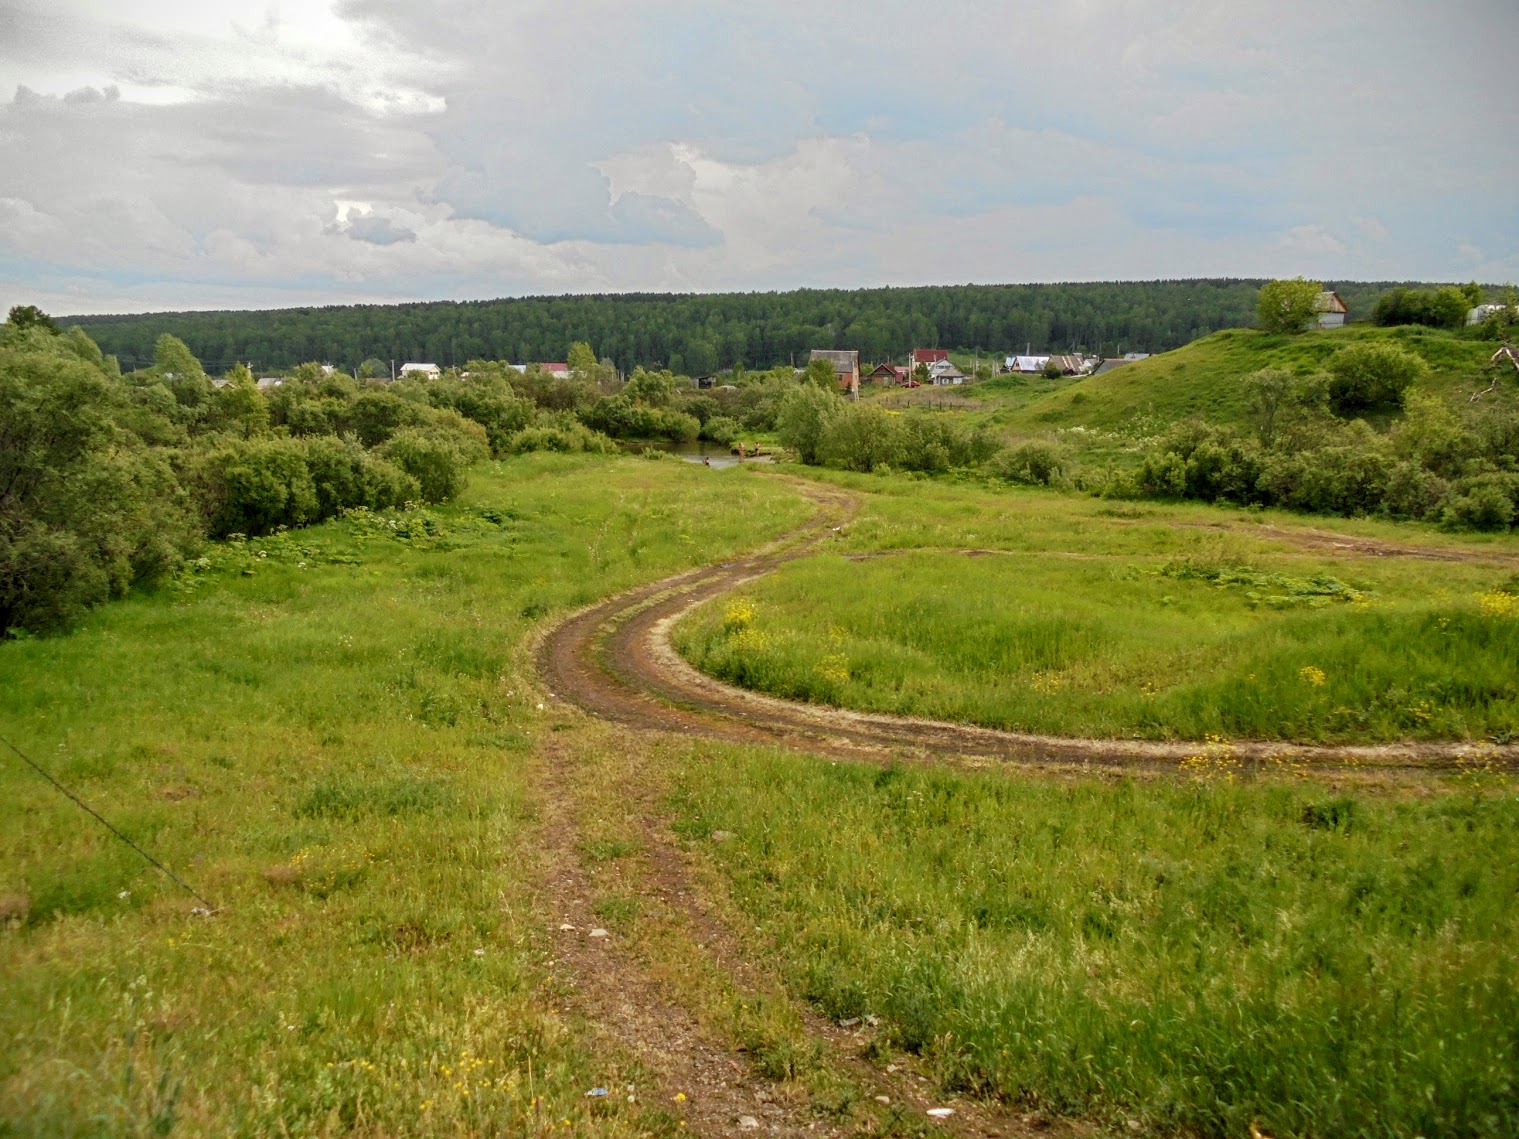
379 230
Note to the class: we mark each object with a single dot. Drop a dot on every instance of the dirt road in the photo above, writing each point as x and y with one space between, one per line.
615 661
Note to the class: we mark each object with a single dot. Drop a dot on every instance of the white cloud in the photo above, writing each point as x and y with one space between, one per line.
1370 227
1312 239
170 152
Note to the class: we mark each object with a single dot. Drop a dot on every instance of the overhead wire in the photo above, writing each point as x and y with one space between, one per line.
210 907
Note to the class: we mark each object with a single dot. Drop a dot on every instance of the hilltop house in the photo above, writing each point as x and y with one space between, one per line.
421 371
1331 309
846 367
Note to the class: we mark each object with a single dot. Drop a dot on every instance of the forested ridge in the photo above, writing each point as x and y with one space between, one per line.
695 334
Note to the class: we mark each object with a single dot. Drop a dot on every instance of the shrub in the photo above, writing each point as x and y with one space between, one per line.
345 476
933 443
256 487
1435 308
860 437
678 427
1372 374
463 435
440 468
1035 462
489 402
87 510
566 436
720 429
1483 508
375 416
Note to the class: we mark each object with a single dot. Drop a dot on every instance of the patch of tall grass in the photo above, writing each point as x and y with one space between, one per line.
1084 624
331 734
1194 955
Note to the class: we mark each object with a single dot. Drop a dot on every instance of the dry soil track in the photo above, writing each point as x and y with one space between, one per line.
614 660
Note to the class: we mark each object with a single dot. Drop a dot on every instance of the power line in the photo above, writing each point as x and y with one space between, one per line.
78 802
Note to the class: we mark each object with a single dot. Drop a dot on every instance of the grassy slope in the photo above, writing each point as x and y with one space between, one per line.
1202 378
333 735
1100 643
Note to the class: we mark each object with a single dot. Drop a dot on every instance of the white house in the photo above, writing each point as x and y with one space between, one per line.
421 371
943 373
1331 309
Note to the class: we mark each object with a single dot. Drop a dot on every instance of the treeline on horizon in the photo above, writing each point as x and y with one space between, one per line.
699 334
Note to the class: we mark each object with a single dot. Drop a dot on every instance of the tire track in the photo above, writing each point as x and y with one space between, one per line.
614 660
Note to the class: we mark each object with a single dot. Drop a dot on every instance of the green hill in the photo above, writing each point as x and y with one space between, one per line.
1203 377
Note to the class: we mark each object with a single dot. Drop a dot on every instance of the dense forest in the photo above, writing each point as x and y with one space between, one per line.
697 334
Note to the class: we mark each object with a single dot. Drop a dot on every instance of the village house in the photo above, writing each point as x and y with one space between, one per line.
846 367
928 357
421 371
1028 365
1480 314
269 383
1112 362
943 373
1331 309
890 375
1068 365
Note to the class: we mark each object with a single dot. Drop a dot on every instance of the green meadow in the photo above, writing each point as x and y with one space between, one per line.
1189 955
1202 378
332 734
337 736
1073 618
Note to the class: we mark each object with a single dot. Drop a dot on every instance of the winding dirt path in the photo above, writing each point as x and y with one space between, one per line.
615 661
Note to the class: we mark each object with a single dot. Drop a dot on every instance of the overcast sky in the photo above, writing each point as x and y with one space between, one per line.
200 154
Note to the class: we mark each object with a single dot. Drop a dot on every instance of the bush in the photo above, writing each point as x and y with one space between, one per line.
256 487
720 429
678 427
861 437
489 402
463 435
932 443
1484 508
440 468
345 476
375 416
1435 308
87 509
1035 462
1372 374
565 436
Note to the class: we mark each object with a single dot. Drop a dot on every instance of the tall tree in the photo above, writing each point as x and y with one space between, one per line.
1288 306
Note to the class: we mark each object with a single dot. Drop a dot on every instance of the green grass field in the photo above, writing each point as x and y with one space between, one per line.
1123 627
1188 955
336 734
1203 379
332 734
